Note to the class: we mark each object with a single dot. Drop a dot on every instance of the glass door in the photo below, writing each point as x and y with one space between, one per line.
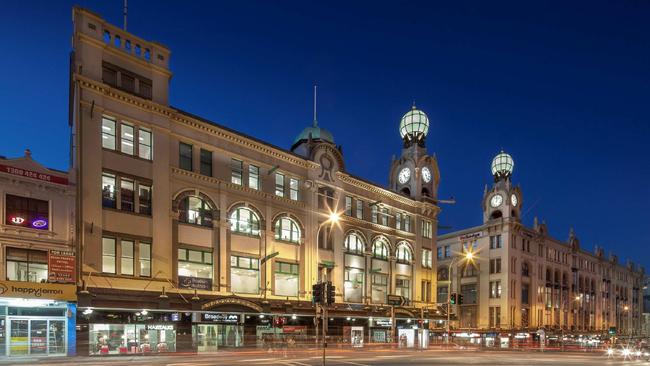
18 337
56 337
38 337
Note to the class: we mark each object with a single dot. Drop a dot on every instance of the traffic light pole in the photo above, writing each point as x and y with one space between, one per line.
324 331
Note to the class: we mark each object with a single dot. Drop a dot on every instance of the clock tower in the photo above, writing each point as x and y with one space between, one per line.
502 200
415 174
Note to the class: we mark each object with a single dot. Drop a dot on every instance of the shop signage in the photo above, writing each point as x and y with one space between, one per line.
61 266
160 326
383 323
396 300
220 318
34 175
471 236
38 290
195 283
293 328
231 301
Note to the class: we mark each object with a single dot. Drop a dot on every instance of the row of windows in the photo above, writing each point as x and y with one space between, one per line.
123 255
281 188
126 194
355 244
123 137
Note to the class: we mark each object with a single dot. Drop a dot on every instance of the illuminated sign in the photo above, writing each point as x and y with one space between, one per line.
160 326
220 318
17 220
39 223
38 290
34 175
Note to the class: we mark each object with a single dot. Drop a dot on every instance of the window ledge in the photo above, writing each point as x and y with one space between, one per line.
196 225
238 233
297 243
125 212
116 151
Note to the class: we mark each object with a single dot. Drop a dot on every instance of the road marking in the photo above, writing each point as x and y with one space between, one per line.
353 363
392 356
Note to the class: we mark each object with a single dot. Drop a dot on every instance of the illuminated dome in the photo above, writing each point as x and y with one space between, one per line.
502 165
415 124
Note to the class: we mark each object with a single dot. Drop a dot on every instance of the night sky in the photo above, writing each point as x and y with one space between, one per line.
564 87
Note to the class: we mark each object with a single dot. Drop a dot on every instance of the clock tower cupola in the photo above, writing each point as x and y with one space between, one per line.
415 174
503 200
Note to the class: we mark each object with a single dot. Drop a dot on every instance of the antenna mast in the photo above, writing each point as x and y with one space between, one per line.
126 8
315 94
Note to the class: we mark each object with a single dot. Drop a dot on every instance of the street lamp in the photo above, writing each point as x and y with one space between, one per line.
468 256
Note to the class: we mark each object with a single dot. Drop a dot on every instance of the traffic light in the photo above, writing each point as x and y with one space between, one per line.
460 299
317 293
331 293
452 299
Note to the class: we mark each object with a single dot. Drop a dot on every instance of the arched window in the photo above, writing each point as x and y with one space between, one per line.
380 248
194 210
354 243
443 274
287 229
244 220
403 253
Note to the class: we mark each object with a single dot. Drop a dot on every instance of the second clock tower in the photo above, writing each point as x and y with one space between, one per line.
502 200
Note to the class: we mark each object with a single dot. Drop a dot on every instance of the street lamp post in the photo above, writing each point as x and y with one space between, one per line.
468 256
332 219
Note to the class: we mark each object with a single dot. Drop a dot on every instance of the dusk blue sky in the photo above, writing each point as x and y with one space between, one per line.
563 86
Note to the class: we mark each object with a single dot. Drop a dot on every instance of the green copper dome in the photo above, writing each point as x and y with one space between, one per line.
317 133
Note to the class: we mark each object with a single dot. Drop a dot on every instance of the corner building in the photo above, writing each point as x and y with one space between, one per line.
193 236
524 280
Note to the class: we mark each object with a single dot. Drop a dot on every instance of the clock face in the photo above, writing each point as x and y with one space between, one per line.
426 175
404 175
496 200
514 200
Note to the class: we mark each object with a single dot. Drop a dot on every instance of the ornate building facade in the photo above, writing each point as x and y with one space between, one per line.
524 279
195 236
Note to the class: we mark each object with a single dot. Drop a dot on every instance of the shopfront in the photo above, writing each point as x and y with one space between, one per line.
215 331
36 319
106 339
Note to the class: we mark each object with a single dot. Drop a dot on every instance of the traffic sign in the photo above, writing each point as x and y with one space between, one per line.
396 300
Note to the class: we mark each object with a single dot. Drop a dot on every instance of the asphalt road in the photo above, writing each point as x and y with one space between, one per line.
343 358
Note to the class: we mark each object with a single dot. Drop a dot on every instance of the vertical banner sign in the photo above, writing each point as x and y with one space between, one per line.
61 266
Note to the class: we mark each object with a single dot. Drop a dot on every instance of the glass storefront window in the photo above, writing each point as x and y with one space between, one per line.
379 288
131 338
26 265
353 285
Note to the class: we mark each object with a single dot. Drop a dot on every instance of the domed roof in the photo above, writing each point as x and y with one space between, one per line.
415 123
317 133
502 165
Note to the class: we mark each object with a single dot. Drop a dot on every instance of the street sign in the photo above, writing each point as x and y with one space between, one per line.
396 300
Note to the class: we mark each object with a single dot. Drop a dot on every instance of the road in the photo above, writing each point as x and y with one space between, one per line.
342 358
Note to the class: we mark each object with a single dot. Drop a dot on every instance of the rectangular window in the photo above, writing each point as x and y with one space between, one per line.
185 156
426 291
353 284
441 294
469 293
495 242
440 253
206 162
348 205
495 316
427 260
108 255
145 259
359 209
398 221
495 289
254 177
127 137
403 287
108 191
26 265
126 257
407 223
27 212
373 213
128 82
108 133
144 144
495 265
126 195
384 216
427 231
194 263
525 294
244 275
379 288
325 238
236 168
325 198
144 198
447 251
286 279
293 189
145 88
279 185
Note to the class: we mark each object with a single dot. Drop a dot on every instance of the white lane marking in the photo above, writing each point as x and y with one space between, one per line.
332 357
258 360
393 356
